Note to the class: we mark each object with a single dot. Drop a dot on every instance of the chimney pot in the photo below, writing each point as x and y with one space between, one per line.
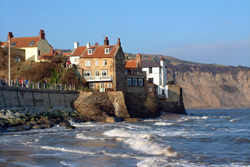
118 42
106 41
88 45
10 35
96 44
41 34
76 45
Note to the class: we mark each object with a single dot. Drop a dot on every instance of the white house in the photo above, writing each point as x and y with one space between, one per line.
157 74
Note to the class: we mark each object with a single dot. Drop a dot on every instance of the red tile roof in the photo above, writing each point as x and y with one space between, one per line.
66 53
131 65
99 51
2 43
47 56
79 51
23 42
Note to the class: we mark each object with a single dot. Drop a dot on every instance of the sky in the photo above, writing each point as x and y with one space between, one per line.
203 31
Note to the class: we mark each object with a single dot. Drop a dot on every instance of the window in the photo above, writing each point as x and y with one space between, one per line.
129 82
76 60
163 92
150 89
151 80
17 59
150 70
104 62
97 73
13 44
31 43
109 85
39 52
89 51
87 63
104 73
106 50
87 73
140 82
134 81
96 63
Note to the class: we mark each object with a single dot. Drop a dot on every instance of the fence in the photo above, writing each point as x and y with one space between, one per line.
38 85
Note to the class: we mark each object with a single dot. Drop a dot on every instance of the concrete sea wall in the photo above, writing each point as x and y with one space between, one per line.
25 97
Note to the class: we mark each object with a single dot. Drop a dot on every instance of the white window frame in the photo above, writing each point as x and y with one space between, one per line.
97 73
87 73
103 71
107 51
104 62
87 63
109 85
96 63
90 51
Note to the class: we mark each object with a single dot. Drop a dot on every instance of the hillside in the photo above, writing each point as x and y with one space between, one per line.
209 85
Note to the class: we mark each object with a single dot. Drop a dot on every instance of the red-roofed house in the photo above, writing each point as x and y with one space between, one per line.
76 54
103 66
34 47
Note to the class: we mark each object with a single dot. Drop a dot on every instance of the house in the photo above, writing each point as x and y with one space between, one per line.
76 54
134 76
34 47
103 66
47 57
157 74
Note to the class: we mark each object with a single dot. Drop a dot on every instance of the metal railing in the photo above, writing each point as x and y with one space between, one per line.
37 85
99 78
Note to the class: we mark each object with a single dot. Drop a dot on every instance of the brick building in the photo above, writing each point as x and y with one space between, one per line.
103 66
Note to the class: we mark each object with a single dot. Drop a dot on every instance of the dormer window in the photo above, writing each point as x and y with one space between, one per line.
31 43
13 44
90 52
106 50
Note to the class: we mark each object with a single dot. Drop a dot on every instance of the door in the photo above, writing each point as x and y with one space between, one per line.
102 88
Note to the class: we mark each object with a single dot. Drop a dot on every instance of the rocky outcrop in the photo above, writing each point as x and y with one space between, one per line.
20 119
97 106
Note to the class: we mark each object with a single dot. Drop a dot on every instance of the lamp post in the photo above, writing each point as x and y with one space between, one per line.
9 62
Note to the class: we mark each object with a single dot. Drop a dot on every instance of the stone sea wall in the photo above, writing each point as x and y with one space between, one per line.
25 97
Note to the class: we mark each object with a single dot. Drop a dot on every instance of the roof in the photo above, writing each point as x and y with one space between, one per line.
47 56
66 53
79 51
2 43
99 51
131 65
24 42
149 63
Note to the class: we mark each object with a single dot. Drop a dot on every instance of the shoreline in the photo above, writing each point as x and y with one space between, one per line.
26 118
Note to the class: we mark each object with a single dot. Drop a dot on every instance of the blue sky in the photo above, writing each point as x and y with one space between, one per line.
205 31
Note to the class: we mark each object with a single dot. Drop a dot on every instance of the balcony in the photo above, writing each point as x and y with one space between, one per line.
98 78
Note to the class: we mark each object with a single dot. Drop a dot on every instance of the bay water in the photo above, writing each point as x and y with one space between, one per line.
208 137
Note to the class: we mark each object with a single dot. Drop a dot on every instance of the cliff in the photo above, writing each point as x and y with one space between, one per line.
208 85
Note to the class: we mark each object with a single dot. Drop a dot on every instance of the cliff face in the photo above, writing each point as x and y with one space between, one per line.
208 85
213 87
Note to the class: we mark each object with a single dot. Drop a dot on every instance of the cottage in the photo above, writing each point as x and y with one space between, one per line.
157 74
103 66
34 47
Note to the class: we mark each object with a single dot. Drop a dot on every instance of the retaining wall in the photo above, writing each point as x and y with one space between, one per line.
26 97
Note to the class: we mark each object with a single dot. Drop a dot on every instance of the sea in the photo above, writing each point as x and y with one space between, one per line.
207 137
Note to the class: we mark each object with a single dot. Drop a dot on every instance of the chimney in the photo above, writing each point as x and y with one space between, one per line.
106 41
96 44
76 45
88 45
149 58
41 34
126 57
138 58
162 58
118 42
10 35
51 50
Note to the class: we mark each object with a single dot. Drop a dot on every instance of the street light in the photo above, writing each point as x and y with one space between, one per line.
9 61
